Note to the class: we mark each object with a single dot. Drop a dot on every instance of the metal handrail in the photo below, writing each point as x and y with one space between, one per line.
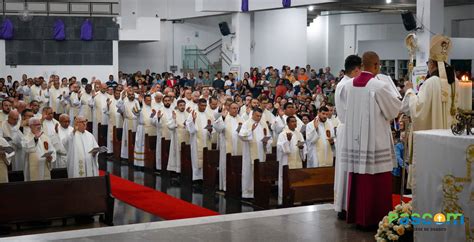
226 58
219 40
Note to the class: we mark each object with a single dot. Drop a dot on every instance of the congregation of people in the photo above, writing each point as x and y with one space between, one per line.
311 118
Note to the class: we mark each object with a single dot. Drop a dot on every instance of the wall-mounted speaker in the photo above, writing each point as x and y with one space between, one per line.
224 27
409 21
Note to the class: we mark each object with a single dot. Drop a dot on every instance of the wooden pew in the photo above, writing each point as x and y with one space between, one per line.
186 163
89 127
117 141
17 176
210 168
102 135
307 185
165 153
150 151
265 176
131 147
234 176
55 199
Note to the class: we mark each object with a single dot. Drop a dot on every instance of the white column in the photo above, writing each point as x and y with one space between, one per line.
431 15
241 42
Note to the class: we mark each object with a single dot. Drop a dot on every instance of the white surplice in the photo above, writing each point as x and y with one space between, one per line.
290 154
61 153
319 148
5 161
126 108
54 100
200 138
252 148
80 162
36 166
100 113
341 177
178 134
367 147
115 120
145 126
16 136
229 142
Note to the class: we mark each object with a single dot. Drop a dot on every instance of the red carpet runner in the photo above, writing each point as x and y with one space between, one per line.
153 201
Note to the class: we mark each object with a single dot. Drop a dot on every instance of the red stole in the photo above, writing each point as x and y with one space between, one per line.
362 79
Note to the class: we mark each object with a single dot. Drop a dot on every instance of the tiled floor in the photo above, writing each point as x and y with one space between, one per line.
320 225
300 226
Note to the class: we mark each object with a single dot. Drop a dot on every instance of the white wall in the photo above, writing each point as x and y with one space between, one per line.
138 20
101 72
457 13
280 37
317 42
158 56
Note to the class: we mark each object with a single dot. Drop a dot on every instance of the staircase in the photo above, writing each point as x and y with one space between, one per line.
196 59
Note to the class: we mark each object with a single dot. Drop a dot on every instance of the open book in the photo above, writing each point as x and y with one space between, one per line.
6 150
49 153
101 149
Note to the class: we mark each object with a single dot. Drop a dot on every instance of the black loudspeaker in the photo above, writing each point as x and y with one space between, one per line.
409 21
224 28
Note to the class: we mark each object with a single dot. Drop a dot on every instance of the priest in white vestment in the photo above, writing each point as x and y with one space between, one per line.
352 67
6 108
435 105
87 103
162 130
115 119
367 147
280 120
55 94
213 110
11 132
50 127
74 101
256 144
292 149
63 132
228 127
5 160
319 138
145 126
82 158
178 134
129 108
200 127
100 111
40 153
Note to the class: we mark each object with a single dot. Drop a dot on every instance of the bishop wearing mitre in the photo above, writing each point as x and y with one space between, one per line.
435 105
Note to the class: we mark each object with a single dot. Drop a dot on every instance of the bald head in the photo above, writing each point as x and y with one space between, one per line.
371 62
13 117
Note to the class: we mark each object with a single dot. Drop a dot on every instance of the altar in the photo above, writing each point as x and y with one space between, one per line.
443 193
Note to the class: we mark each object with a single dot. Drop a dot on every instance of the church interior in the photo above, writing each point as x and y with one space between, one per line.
241 120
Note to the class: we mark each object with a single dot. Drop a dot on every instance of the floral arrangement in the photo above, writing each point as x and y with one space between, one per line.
390 228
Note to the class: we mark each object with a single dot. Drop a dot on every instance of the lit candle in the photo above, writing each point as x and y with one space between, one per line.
465 93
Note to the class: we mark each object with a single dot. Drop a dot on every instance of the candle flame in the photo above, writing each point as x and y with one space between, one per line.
465 78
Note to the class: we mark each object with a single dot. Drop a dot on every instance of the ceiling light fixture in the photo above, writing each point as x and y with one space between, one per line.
388 1
311 8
